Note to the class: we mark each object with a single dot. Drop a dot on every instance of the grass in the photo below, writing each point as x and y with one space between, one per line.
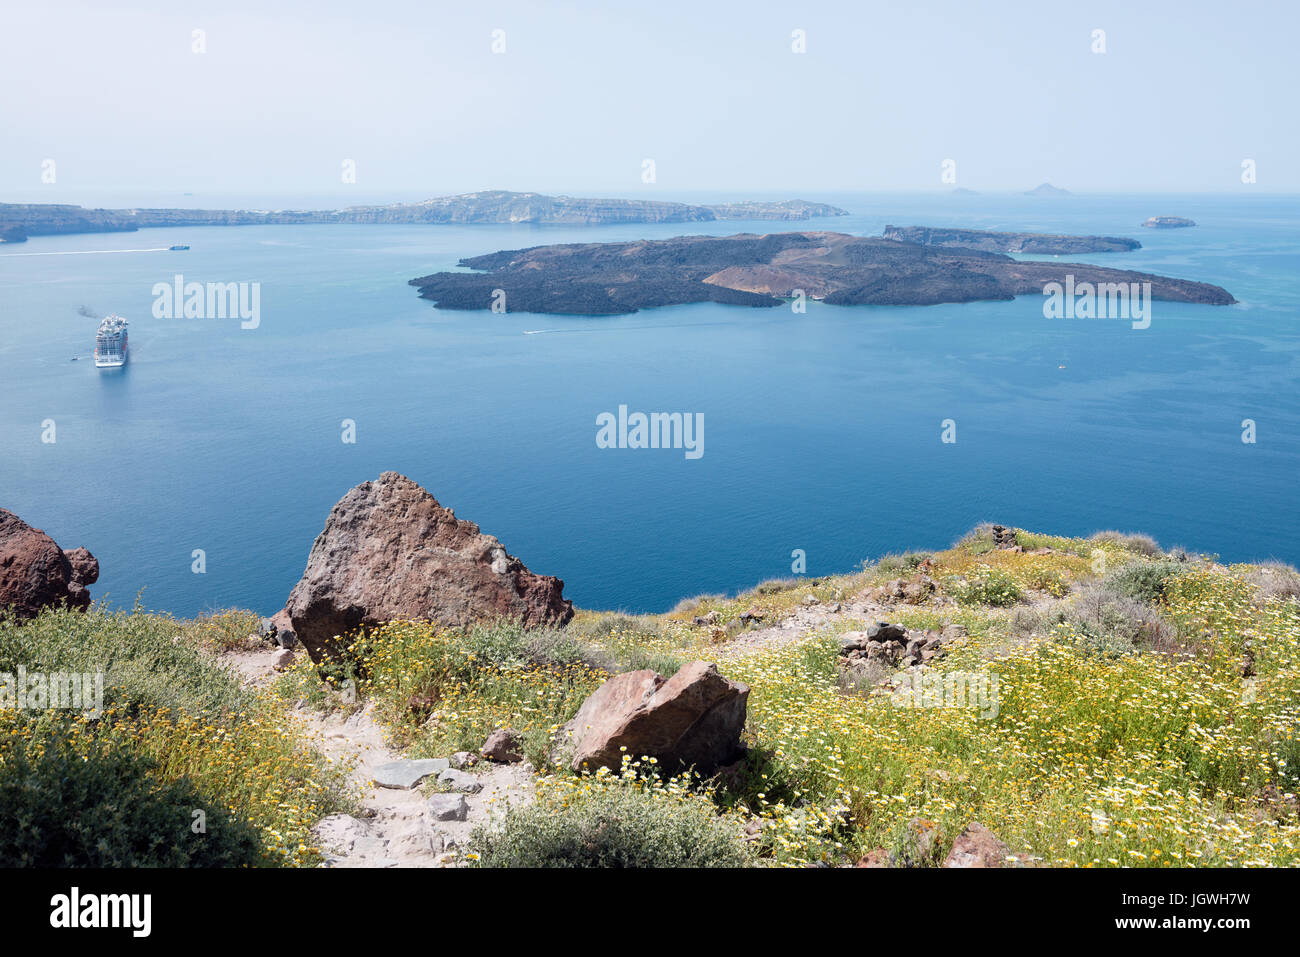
191 733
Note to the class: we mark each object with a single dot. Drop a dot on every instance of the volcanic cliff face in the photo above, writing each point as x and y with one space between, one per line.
35 573
613 278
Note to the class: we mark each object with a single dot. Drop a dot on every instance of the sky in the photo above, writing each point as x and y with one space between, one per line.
584 93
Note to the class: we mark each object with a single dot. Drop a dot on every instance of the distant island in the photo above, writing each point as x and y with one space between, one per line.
1169 222
1047 189
991 241
20 220
752 270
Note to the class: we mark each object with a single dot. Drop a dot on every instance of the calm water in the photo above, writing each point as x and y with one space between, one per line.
822 431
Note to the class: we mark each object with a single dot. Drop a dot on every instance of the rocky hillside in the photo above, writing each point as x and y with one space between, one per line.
746 269
1001 242
1015 700
17 220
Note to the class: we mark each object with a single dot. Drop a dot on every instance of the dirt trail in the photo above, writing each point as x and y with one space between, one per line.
800 623
396 826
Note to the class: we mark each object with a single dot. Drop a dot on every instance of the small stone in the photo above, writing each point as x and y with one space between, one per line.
406 774
460 781
852 641
503 745
954 631
883 631
283 659
464 759
875 858
447 807
810 600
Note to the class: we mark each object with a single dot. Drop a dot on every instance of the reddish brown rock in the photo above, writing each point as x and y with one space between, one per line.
976 846
390 551
503 745
35 573
875 858
693 719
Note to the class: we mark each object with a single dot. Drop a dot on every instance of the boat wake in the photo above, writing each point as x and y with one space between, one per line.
89 252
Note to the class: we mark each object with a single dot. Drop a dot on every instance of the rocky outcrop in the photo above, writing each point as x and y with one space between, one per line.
1047 189
1001 242
752 270
35 573
977 846
692 720
390 551
869 657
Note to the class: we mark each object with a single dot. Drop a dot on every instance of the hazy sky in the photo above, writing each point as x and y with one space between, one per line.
584 92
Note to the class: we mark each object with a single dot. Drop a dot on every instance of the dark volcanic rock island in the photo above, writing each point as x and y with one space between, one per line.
1029 243
20 220
751 270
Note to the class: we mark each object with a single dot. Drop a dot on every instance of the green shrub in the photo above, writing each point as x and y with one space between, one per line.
1108 624
616 825
1275 580
1048 580
1134 542
906 562
1143 581
978 541
146 659
67 800
224 630
988 586
774 586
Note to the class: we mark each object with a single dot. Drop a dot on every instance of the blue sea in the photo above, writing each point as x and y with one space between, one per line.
822 430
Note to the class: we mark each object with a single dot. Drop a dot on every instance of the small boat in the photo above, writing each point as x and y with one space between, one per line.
178 246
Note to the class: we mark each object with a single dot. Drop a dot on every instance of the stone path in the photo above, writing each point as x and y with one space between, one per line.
398 825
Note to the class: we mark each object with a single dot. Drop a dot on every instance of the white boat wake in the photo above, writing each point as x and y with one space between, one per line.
89 252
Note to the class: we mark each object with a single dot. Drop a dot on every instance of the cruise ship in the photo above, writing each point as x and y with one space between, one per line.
110 343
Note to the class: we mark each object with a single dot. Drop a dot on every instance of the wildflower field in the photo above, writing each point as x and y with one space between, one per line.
1146 714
